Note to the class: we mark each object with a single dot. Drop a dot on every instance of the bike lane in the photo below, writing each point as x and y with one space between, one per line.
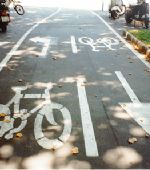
75 67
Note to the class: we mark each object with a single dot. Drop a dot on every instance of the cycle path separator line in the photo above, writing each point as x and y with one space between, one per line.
4 62
128 45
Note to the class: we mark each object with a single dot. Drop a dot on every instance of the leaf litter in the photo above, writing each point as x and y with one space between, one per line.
132 140
75 150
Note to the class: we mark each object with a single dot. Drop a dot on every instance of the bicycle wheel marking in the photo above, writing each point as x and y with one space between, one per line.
44 109
52 143
88 130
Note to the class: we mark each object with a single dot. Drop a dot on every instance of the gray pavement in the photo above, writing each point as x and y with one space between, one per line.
76 57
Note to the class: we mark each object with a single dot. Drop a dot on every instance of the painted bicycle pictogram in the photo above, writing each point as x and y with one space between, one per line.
106 42
44 109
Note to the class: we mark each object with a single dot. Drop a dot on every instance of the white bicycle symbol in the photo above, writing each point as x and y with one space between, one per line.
99 43
44 109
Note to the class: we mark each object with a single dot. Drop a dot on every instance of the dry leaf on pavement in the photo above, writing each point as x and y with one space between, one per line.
3 114
147 135
19 135
54 58
75 150
9 68
147 70
20 80
132 140
59 85
6 121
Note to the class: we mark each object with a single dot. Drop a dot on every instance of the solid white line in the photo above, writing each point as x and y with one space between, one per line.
127 87
125 42
4 43
3 63
74 45
88 131
32 96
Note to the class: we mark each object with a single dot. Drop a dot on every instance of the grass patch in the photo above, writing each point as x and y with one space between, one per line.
142 35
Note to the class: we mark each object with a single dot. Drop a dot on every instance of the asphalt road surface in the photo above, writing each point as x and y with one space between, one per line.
73 93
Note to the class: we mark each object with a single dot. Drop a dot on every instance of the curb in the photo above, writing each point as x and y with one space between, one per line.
137 44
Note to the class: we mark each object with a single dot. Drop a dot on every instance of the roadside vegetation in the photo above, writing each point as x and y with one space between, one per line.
142 35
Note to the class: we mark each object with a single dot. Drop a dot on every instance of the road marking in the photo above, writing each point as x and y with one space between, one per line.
74 45
125 42
88 131
45 109
137 110
106 42
46 44
38 132
32 96
126 86
3 63
4 43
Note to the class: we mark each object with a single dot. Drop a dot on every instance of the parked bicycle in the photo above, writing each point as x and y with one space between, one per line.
45 109
16 5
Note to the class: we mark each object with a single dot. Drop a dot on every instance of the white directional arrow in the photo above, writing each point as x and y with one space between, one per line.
140 112
46 45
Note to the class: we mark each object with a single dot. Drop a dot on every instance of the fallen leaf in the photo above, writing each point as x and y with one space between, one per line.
9 68
20 80
59 85
147 135
53 149
19 135
132 140
141 119
3 114
54 58
6 121
75 150
147 70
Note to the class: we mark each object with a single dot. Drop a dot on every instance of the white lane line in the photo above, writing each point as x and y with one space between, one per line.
88 131
137 110
127 87
3 63
74 45
4 43
127 44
